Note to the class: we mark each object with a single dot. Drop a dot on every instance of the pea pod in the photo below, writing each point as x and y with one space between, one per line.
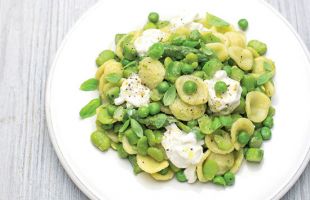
89 109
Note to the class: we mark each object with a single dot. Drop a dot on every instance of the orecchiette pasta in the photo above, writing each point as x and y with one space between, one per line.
220 50
242 124
219 142
149 165
257 105
186 112
243 57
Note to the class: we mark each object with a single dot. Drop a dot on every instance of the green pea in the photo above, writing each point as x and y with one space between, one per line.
209 169
268 122
142 146
266 133
153 17
254 155
164 171
194 35
104 56
111 109
272 111
130 70
220 87
243 138
143 112
244 92
129 51
192 123
200 74
187 68
149 25
156 51
243 24
180 176
211 67
113 93
227 69
154 108
131 137
155 153
100 140
229 178
236 73
191 58
195 65
178 40
150 137
256 140
163 87
190 87
219 180
260 47
121 152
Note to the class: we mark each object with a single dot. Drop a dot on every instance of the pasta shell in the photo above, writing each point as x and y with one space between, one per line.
243 57
151 72
220 50
257 105
238 161
199 171
259 68
201 95
224 162
149 165
236 39
210 142
242 124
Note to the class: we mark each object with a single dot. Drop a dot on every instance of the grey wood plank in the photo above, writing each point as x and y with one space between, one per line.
30 33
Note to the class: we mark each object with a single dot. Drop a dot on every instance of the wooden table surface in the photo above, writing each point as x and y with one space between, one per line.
30 33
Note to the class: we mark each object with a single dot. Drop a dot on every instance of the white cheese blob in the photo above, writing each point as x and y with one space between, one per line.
228 101
133 92
187 21
183 150
147 39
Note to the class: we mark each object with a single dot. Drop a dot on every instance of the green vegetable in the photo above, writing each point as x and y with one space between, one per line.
164 171
194 35
266 133
129 51
103 116
226 121
198 133
192 123
104 56
113 78
124 126
210 38
89 85
180 176
154 108
121 152
163 87
254 155
190 87
156 51
156 121
222 143
272 111
178 40
249 82
268 122
227 69
136 127
219 180
131 137
241 108
209 169
200 74
173 71
143 111
256 140
264 78
113 93
155 153
133 161
211 67
187 68
180 52
149 25
205 123
236 73
167 61
243 24
244 92
229 178
216 21
142 145
153 17
89 109
111 109
169 96
150 137
119 113
220 87
183 127
100 140
155 95
129 70
191 58
258 46
243 138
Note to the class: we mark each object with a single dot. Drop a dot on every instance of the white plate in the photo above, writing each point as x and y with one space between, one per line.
105 176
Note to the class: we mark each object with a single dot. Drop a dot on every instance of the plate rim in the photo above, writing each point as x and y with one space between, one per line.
85 189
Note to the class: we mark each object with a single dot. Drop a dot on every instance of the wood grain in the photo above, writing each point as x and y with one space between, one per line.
30 33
